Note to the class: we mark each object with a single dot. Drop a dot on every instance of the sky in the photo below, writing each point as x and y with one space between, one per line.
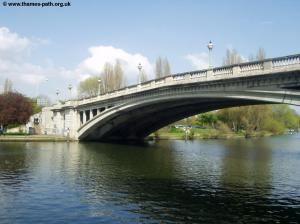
49 48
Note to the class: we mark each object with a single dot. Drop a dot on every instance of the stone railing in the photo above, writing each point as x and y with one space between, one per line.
284 61
243 69
251 66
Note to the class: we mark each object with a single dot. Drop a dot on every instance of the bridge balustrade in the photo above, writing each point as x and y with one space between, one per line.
222 71
285 61
251 67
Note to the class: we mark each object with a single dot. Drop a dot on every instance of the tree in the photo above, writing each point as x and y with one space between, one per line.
14 109
112 78
107 78
166 67
7 86
118 79
261 54
232 57
162 68
88 87
158 68
209 118
287 116
144 77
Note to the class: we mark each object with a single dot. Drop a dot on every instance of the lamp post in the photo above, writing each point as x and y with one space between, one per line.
140 72
210 47
99 87
70 89
57 93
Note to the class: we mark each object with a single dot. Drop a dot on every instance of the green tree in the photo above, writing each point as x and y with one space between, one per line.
209 118
287 116
88 87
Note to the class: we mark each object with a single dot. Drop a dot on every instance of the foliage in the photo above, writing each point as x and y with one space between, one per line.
191 134
88 87
274 126
222 127
14 108
273 118
176 130
286 116
112 78
209 118
35 107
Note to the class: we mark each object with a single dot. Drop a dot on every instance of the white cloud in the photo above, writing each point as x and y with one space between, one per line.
12 46
99 55
198 61
15 64
14 52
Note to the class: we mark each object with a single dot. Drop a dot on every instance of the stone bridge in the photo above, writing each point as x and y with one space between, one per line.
136 111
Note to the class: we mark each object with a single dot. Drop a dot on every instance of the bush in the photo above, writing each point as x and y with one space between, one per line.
273 126
223 128
191 134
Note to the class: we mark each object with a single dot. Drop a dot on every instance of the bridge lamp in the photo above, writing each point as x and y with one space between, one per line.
70 89
140 72
57 93
99 87
210 47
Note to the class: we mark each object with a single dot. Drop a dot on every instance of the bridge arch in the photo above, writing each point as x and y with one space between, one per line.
137 119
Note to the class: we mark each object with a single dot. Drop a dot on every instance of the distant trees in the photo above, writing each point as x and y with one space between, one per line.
14 109
112 78
209 118
232 57
7 86
261 54
162 68
88 87
272 118
249 118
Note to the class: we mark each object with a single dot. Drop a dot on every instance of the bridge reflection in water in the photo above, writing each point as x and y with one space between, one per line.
173 181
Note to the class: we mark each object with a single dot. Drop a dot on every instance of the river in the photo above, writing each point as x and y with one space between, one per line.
201 181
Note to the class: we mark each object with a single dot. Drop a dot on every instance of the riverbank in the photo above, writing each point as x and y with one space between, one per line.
33 138
180 134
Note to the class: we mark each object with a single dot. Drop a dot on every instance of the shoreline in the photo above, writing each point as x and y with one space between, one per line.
162 136
34 138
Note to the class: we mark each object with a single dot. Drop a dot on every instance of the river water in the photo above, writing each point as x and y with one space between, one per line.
201 181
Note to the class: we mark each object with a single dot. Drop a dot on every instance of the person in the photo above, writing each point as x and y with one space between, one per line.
1 130
68 134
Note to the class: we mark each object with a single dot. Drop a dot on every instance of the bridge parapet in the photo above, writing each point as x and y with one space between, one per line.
251 67
284 61
238 70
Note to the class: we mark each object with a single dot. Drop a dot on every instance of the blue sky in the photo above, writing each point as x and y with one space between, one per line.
56 43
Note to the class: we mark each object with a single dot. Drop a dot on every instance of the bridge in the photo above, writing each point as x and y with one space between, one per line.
136 111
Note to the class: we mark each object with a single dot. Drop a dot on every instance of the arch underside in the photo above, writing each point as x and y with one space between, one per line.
138 122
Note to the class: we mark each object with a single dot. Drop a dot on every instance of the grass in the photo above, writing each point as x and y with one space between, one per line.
207 133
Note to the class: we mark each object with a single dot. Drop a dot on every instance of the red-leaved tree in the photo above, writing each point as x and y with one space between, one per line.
14 108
